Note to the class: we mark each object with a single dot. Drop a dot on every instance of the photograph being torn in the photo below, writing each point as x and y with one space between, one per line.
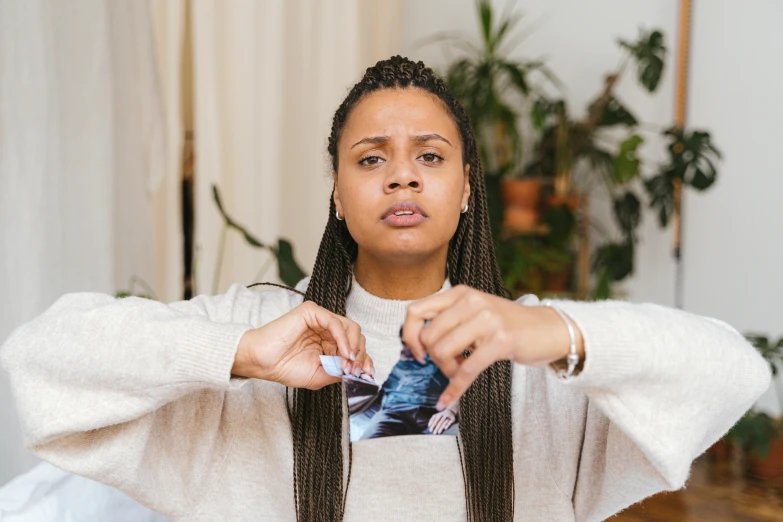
403 405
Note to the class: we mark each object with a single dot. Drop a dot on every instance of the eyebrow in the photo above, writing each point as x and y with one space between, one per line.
380 140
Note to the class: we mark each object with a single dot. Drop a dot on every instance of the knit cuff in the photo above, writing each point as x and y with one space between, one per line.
611 354
208 350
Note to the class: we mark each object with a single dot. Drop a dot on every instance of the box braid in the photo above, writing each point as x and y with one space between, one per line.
317 417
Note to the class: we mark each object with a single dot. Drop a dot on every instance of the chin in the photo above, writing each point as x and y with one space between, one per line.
407 252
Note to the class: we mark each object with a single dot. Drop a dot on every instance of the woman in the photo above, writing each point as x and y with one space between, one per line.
217 408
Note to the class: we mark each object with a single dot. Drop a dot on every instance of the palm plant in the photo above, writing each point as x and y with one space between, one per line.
494 89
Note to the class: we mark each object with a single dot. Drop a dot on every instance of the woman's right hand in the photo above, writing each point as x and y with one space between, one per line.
287 349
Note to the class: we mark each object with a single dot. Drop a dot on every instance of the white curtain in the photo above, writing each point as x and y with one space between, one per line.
268 77
81 155
91 135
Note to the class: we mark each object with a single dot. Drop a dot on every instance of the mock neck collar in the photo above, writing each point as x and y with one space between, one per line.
373 313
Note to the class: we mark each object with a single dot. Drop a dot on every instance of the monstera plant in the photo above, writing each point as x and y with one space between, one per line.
602 149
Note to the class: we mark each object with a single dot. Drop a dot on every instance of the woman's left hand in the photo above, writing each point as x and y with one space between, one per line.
491 327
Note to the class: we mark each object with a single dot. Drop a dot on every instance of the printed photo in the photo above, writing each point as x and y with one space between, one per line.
403 405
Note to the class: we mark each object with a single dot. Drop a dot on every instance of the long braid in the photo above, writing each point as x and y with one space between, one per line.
318 417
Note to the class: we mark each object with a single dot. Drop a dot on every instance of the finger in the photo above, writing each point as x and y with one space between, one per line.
431 424
354 333
369 366
435 428
447 352
361 357
462 310
321 379
442 424
332 324
467 372
422 310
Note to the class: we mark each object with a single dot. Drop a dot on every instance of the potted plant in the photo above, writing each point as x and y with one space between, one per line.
494 89
528 264
759 435
579 154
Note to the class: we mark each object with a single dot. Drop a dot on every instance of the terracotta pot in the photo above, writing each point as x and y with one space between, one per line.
571 201
771 466
519 218
721 451
522 193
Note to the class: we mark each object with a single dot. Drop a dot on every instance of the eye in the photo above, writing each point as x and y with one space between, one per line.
431 157
370 160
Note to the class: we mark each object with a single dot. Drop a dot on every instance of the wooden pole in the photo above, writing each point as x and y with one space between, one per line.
680 109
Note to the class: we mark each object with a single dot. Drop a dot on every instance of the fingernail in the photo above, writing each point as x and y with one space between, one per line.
347 370
353 356
421 360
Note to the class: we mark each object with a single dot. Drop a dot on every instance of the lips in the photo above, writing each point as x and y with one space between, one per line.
410 214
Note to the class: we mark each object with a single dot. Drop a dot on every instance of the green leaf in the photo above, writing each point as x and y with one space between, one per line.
649 53
216 197
603 288
628 213
616 259
561 221
288 269
544 109
250 238
517 76
627 162
485 16
660 189
615 113
692 157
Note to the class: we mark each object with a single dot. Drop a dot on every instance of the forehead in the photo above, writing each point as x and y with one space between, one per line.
389 111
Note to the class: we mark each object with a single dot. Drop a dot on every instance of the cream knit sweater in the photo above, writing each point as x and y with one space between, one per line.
137 394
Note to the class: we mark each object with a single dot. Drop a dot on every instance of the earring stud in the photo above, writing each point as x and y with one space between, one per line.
337 215
465 209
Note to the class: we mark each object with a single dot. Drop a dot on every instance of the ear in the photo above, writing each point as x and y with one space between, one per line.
466 188
336 196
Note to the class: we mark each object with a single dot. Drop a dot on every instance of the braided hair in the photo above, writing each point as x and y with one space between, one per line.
317 416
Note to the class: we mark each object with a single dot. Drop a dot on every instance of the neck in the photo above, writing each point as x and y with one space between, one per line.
402 280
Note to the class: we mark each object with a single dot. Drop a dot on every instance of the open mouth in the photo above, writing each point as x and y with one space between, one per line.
404 214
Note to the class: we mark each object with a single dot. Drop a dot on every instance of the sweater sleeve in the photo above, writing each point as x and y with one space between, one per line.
661 386
120 389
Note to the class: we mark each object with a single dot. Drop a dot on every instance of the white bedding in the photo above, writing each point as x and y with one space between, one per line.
48 494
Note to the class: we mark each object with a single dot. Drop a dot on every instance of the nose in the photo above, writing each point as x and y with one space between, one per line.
403 174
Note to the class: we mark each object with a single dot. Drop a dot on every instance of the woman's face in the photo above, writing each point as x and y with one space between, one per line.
399 146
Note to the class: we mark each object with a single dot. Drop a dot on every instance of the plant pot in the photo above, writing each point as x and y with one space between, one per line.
769 467
519 218
721 451
523 193
521 199
572 202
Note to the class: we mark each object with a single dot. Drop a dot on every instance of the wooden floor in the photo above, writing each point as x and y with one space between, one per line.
716 492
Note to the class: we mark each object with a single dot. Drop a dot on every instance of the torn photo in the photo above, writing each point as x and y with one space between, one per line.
403 405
